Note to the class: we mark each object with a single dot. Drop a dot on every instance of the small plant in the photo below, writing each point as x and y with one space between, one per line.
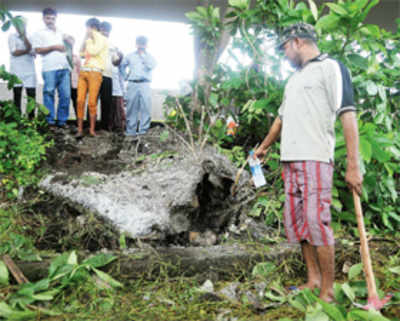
64 273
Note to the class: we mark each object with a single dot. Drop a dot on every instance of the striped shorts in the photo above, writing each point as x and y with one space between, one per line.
308 191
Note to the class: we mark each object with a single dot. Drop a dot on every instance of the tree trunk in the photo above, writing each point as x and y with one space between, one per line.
220 261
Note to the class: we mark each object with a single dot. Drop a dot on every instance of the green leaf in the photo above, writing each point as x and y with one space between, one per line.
213 99
361 315
240 4
58 262
316 315
122 241
263 269
331 310
327 23
10 314
365 149
355 270
337 9
46 296
4 275
358 61
368 8
372 88
313 8
297 303
99 260
371 30
6 26
72 258
348 291
395 270
108 279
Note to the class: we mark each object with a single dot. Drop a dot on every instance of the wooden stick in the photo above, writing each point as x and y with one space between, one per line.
14 269
365 256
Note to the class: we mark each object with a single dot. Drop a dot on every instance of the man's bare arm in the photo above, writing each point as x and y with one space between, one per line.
21 52
350 131
27 50
272 136
46 50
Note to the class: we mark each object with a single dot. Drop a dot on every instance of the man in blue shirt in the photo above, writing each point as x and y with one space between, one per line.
140 65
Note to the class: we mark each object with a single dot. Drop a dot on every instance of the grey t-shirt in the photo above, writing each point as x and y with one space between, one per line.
314 96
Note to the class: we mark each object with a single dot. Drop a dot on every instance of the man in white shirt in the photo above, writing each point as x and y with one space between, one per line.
49 43
22 64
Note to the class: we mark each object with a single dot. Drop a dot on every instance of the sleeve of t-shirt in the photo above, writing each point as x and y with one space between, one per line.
36 40
12 44
339 88
123 66
281 109
149 62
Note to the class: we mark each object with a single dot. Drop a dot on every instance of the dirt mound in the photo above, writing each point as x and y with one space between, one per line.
151 187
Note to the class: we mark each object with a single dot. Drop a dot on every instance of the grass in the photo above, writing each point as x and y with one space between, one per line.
167 298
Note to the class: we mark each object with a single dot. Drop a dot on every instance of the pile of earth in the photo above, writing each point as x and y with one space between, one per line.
151 187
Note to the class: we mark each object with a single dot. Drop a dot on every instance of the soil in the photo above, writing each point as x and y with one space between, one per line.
69 226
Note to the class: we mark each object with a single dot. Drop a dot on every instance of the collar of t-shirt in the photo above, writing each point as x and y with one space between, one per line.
320 57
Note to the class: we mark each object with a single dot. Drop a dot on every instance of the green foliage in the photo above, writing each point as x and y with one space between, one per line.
64 273
264 269
252 92
4 275
317 309
22 146
18 246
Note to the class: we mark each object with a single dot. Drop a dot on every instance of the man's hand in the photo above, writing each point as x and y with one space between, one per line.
260 152
69 39
60 48
89 35
354 178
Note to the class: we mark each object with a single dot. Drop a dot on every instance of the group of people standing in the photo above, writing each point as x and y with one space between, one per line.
101 76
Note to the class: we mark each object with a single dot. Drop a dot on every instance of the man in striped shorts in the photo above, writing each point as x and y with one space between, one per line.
316 94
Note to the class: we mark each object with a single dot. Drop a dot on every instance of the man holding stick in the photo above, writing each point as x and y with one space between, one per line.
317 93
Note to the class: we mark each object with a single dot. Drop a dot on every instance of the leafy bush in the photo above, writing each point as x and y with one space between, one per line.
22 148
22 145
252 92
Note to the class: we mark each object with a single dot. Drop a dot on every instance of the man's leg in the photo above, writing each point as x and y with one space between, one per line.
318 195
17 92
106 102
132 109
326 259
49 86
31 92
311 257
145 108
64 96
74 95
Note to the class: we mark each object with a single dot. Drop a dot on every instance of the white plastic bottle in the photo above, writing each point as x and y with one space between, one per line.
256 171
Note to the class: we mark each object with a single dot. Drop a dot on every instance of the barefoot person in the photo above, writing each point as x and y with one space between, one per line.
95 51
318 92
